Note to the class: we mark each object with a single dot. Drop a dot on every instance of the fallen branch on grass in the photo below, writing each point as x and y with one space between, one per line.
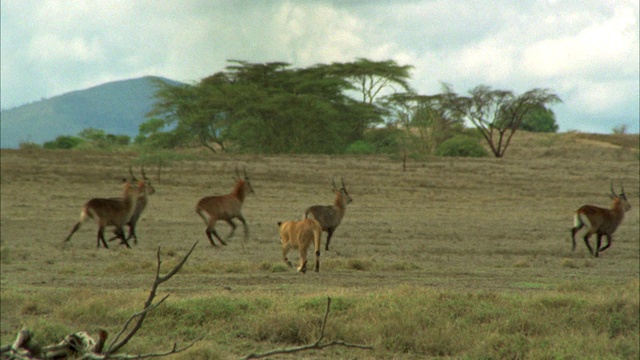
82 346
314 346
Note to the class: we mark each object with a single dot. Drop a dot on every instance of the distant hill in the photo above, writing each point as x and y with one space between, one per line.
117 107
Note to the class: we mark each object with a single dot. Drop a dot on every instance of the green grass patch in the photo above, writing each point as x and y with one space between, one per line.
402 322
531 285
569 264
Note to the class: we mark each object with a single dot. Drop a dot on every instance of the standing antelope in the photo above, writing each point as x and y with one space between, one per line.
143 200
330 216
111 212
299 235
600 221
225 207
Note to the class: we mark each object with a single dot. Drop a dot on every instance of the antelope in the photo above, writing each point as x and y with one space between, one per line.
600 221
225 207
143 200
330 216
111 212
299 235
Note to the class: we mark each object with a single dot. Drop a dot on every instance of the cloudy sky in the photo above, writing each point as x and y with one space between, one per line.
584 50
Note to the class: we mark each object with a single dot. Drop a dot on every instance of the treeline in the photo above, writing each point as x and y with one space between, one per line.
358 107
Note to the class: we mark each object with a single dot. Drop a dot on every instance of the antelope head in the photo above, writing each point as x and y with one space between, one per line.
246 183
621 199
342 191
147 182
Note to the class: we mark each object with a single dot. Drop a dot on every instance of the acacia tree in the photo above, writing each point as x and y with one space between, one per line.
291 110
425 119
268 108
497 114
371 78
184 106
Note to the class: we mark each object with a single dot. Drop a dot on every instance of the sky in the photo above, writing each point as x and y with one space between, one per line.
585 51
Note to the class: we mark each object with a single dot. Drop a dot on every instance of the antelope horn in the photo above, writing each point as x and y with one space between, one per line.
244 169
622 189
144 176
333 183
131 173
613 192
341 179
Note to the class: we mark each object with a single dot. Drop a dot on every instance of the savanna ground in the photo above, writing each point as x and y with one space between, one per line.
454 258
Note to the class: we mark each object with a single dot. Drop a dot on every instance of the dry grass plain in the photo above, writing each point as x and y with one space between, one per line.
444 230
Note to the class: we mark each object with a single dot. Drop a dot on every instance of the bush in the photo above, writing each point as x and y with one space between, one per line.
28 145
463 146
360 147
63 142
384 140
118 140
620 129
540 119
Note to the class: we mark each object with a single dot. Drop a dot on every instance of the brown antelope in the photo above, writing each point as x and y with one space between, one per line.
111 212
330 216
600 221
299 235
225 207
143 200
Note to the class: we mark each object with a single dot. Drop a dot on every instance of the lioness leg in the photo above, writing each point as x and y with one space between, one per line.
303 258
285 250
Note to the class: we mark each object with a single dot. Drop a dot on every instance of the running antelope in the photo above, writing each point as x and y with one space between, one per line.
330 216
600 221
299 235
111 212
226 208
143 200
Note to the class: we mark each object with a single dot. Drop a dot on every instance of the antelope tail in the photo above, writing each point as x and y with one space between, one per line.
579 221
199 212
84 215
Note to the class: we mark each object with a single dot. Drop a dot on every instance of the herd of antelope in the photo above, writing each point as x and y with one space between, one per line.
126 211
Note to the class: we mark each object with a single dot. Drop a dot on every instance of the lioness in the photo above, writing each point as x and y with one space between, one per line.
299 235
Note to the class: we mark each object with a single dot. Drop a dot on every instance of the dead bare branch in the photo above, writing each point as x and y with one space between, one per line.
115 346
314 346
174 350
138 314
83 345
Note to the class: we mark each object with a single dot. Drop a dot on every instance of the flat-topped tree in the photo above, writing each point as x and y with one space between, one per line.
497 114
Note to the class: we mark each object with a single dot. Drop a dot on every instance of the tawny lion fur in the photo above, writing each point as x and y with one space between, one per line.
299 235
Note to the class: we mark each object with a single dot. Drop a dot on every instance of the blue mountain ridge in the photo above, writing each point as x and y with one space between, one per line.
117 107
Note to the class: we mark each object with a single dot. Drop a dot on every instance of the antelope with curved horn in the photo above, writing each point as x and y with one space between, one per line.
600 221
226 208
111 212
143 200
330 216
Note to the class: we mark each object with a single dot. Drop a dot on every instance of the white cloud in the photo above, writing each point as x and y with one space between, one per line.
586 50
50 48
610 45
309 34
